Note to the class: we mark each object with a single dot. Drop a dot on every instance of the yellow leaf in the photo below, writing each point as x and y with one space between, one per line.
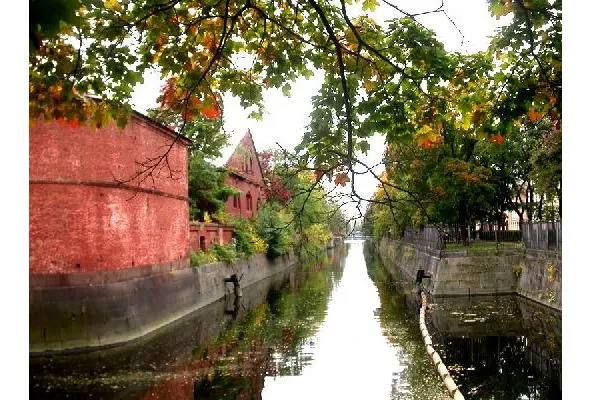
112 5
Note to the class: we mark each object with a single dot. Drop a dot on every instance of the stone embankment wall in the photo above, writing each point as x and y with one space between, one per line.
89 309
540 277
535 274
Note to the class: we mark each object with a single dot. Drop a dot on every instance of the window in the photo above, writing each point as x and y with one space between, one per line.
235 201
248 202
250 165
202 243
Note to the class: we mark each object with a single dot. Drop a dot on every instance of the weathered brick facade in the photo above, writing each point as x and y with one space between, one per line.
82 218
246 176
202 235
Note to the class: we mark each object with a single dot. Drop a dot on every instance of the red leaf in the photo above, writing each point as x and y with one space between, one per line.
211 112
341 179
318 174
498 139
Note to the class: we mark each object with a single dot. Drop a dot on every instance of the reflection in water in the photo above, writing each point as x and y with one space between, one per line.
495 347
398 317
350 357
220 351
315 332
321 331
500 346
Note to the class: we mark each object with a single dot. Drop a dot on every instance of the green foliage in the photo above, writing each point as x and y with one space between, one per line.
226 253
272 225
244 237
470 136
313 240
207 135
47 19
337 223
198 258
208 192
546 163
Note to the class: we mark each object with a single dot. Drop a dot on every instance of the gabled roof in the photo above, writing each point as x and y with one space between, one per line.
227 151
234 147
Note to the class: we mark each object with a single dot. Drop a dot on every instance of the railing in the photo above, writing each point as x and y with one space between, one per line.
542 235
498 236
456 238
537 235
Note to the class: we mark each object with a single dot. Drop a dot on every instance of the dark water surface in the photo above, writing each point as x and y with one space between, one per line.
338 329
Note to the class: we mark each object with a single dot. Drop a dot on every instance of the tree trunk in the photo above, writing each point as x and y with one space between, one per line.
530 201
520 215
540 204
559 195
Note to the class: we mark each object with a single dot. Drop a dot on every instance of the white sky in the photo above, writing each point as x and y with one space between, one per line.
285 119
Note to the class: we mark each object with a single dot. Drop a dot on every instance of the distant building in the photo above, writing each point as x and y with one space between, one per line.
246 175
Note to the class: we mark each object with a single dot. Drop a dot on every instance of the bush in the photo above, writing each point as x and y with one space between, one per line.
314 240
271 226
260 246
201 258
226 253
247 240
243 235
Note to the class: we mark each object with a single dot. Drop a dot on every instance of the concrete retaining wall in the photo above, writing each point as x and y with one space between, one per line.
535 275
84 310
540 277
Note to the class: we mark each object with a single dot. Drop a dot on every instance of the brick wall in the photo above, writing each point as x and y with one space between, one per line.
244 160
239 205
246 176
211 232
81 219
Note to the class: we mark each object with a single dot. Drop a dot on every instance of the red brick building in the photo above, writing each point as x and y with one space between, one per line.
83 219
245 174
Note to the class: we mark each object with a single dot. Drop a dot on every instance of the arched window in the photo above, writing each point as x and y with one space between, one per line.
248 201
237 201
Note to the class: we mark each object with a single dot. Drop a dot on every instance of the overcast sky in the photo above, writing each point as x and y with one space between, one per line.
285 118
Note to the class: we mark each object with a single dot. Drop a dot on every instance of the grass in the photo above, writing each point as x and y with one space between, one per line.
483 245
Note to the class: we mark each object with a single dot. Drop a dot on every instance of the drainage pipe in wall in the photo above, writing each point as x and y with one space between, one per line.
441 369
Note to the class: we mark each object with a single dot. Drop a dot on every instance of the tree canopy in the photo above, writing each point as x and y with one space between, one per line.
394 79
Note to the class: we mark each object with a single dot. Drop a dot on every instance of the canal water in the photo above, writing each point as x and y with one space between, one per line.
339 328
